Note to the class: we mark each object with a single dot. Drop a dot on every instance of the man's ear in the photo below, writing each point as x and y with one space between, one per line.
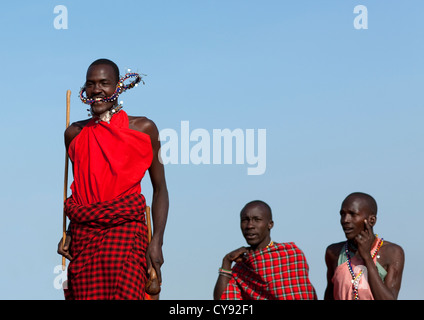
270 225
372 220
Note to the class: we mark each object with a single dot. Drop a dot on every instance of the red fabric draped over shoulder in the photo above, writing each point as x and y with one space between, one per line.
110 160
278 272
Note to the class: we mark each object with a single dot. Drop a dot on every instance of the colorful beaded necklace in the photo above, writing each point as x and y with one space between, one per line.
120 88
107 116
355 279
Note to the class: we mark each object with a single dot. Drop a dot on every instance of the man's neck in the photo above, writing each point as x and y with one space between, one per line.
107 115
262 245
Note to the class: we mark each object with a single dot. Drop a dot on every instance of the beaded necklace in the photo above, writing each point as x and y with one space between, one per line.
269 244
107 116
355 279
120 88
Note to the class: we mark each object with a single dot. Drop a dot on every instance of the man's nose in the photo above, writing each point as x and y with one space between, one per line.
97 88
345 218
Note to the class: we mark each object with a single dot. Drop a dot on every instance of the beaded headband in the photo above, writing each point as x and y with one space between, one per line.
120 88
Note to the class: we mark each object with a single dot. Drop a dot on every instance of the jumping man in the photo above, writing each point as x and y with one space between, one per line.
106 241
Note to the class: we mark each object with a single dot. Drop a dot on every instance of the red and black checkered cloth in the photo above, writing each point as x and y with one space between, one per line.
279 272
108 246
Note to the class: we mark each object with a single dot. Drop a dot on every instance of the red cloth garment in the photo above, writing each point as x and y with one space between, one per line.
278 272
106 210
109 242
109 160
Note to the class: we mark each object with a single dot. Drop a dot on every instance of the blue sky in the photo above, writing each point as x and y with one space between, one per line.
342 109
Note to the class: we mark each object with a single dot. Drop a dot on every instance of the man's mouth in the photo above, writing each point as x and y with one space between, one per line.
250 236
348 230
97 98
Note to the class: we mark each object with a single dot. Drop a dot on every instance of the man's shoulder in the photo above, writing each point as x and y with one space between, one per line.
137 118
82 123
75 127
392 248
335 248
73 130
391 255
142 124
288 247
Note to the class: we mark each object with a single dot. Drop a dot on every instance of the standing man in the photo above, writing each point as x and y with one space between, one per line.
265 270
365 267
106 243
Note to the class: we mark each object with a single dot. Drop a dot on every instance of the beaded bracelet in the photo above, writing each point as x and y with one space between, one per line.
225 272
225 275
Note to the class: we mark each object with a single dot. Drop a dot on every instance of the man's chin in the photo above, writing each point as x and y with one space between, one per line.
252 242
99 107
350 237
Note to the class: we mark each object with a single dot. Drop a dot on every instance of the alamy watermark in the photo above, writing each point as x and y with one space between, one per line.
362 277
61 280
61 20
361 20
222 146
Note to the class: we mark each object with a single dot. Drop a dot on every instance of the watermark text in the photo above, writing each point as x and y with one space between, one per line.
223 146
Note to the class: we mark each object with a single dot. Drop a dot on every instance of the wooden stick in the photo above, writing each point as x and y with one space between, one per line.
65 187
149 224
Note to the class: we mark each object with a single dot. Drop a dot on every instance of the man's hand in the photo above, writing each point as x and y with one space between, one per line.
64 249
153 285
234 256
154 259
222 282
365 240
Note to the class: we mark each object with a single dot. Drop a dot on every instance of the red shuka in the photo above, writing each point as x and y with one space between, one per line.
106 210
109 160
108 248
278 272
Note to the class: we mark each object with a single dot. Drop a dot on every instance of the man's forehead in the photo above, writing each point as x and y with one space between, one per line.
255 210
100 70
355 203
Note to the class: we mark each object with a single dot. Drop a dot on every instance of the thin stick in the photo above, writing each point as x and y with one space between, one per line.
65 187
149 224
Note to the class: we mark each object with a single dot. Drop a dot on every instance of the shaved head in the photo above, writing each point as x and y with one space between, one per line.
258 203
108 63
368 203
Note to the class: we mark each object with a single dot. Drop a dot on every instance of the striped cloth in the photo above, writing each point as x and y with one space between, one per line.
278 272
109 242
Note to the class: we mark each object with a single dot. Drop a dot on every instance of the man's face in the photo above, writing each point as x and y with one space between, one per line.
100 83
352 215
255 225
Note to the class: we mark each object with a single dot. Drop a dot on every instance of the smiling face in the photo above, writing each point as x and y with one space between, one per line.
354 210
100 83
256 224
